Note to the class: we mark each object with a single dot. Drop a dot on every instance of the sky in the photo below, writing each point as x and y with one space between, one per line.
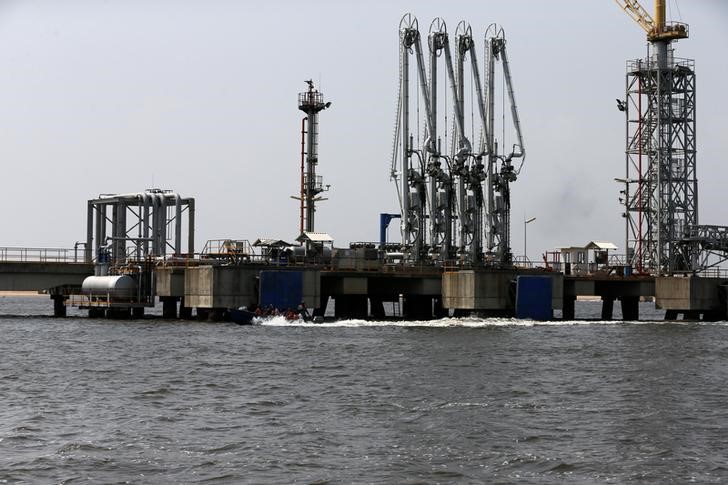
200 97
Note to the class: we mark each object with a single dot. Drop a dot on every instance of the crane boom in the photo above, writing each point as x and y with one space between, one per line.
634 9
656 27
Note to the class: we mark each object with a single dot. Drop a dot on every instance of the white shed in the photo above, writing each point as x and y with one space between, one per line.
592 257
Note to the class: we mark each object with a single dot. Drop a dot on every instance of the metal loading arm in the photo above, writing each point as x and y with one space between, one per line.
431 144
481 99
465 143
519 150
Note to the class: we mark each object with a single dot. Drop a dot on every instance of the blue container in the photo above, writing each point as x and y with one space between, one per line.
628 270
281 289
533 297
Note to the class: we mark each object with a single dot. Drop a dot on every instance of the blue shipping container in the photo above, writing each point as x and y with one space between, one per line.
533 297
281 289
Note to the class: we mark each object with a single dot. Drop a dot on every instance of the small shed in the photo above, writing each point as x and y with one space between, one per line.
590 258
316 237
574 259
317 244
600 251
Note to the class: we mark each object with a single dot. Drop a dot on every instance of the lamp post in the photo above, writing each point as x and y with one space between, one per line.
525 234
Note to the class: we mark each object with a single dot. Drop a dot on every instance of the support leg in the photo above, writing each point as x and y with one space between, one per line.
59 306
169 306
607 308
377 308
185 312
630 308
438 309
569 310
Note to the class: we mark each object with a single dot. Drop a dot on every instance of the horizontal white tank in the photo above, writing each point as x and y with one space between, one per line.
122 286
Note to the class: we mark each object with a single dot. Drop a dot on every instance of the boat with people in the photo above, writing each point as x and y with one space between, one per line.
244 316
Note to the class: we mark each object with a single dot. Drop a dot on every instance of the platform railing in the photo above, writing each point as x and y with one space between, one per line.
41 255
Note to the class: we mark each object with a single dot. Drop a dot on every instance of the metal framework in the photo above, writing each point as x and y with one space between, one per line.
663 207
448 206
661 188
127 228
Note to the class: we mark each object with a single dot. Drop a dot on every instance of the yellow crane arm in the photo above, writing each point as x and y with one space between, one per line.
656 27
638 14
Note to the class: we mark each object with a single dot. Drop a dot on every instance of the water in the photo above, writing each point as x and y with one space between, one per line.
455 401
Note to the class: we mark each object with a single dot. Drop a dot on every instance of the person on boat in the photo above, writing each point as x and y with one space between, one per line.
290 315
303 312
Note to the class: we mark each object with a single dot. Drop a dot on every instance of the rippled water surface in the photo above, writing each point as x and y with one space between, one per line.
454 401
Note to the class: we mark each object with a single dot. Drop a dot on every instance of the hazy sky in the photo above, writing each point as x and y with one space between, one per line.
104 96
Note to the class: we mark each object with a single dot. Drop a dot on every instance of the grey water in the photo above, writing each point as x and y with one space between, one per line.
450 401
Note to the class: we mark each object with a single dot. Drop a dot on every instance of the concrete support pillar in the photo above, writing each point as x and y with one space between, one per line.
630 308
377 308
169 306
185 313
59 305
569 308
417 307
607 307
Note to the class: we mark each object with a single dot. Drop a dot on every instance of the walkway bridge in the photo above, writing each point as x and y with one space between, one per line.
42 269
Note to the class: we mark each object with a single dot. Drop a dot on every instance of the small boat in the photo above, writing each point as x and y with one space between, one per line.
241 316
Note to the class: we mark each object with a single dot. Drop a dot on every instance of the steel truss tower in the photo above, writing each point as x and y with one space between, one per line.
661 191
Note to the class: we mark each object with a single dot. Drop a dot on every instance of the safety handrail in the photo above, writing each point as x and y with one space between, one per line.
42 255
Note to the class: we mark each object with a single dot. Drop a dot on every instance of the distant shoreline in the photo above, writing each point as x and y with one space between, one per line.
21 293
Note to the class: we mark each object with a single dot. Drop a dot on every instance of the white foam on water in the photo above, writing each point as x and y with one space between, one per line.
467 322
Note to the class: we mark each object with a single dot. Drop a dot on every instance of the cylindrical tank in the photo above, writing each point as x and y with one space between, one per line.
122 286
